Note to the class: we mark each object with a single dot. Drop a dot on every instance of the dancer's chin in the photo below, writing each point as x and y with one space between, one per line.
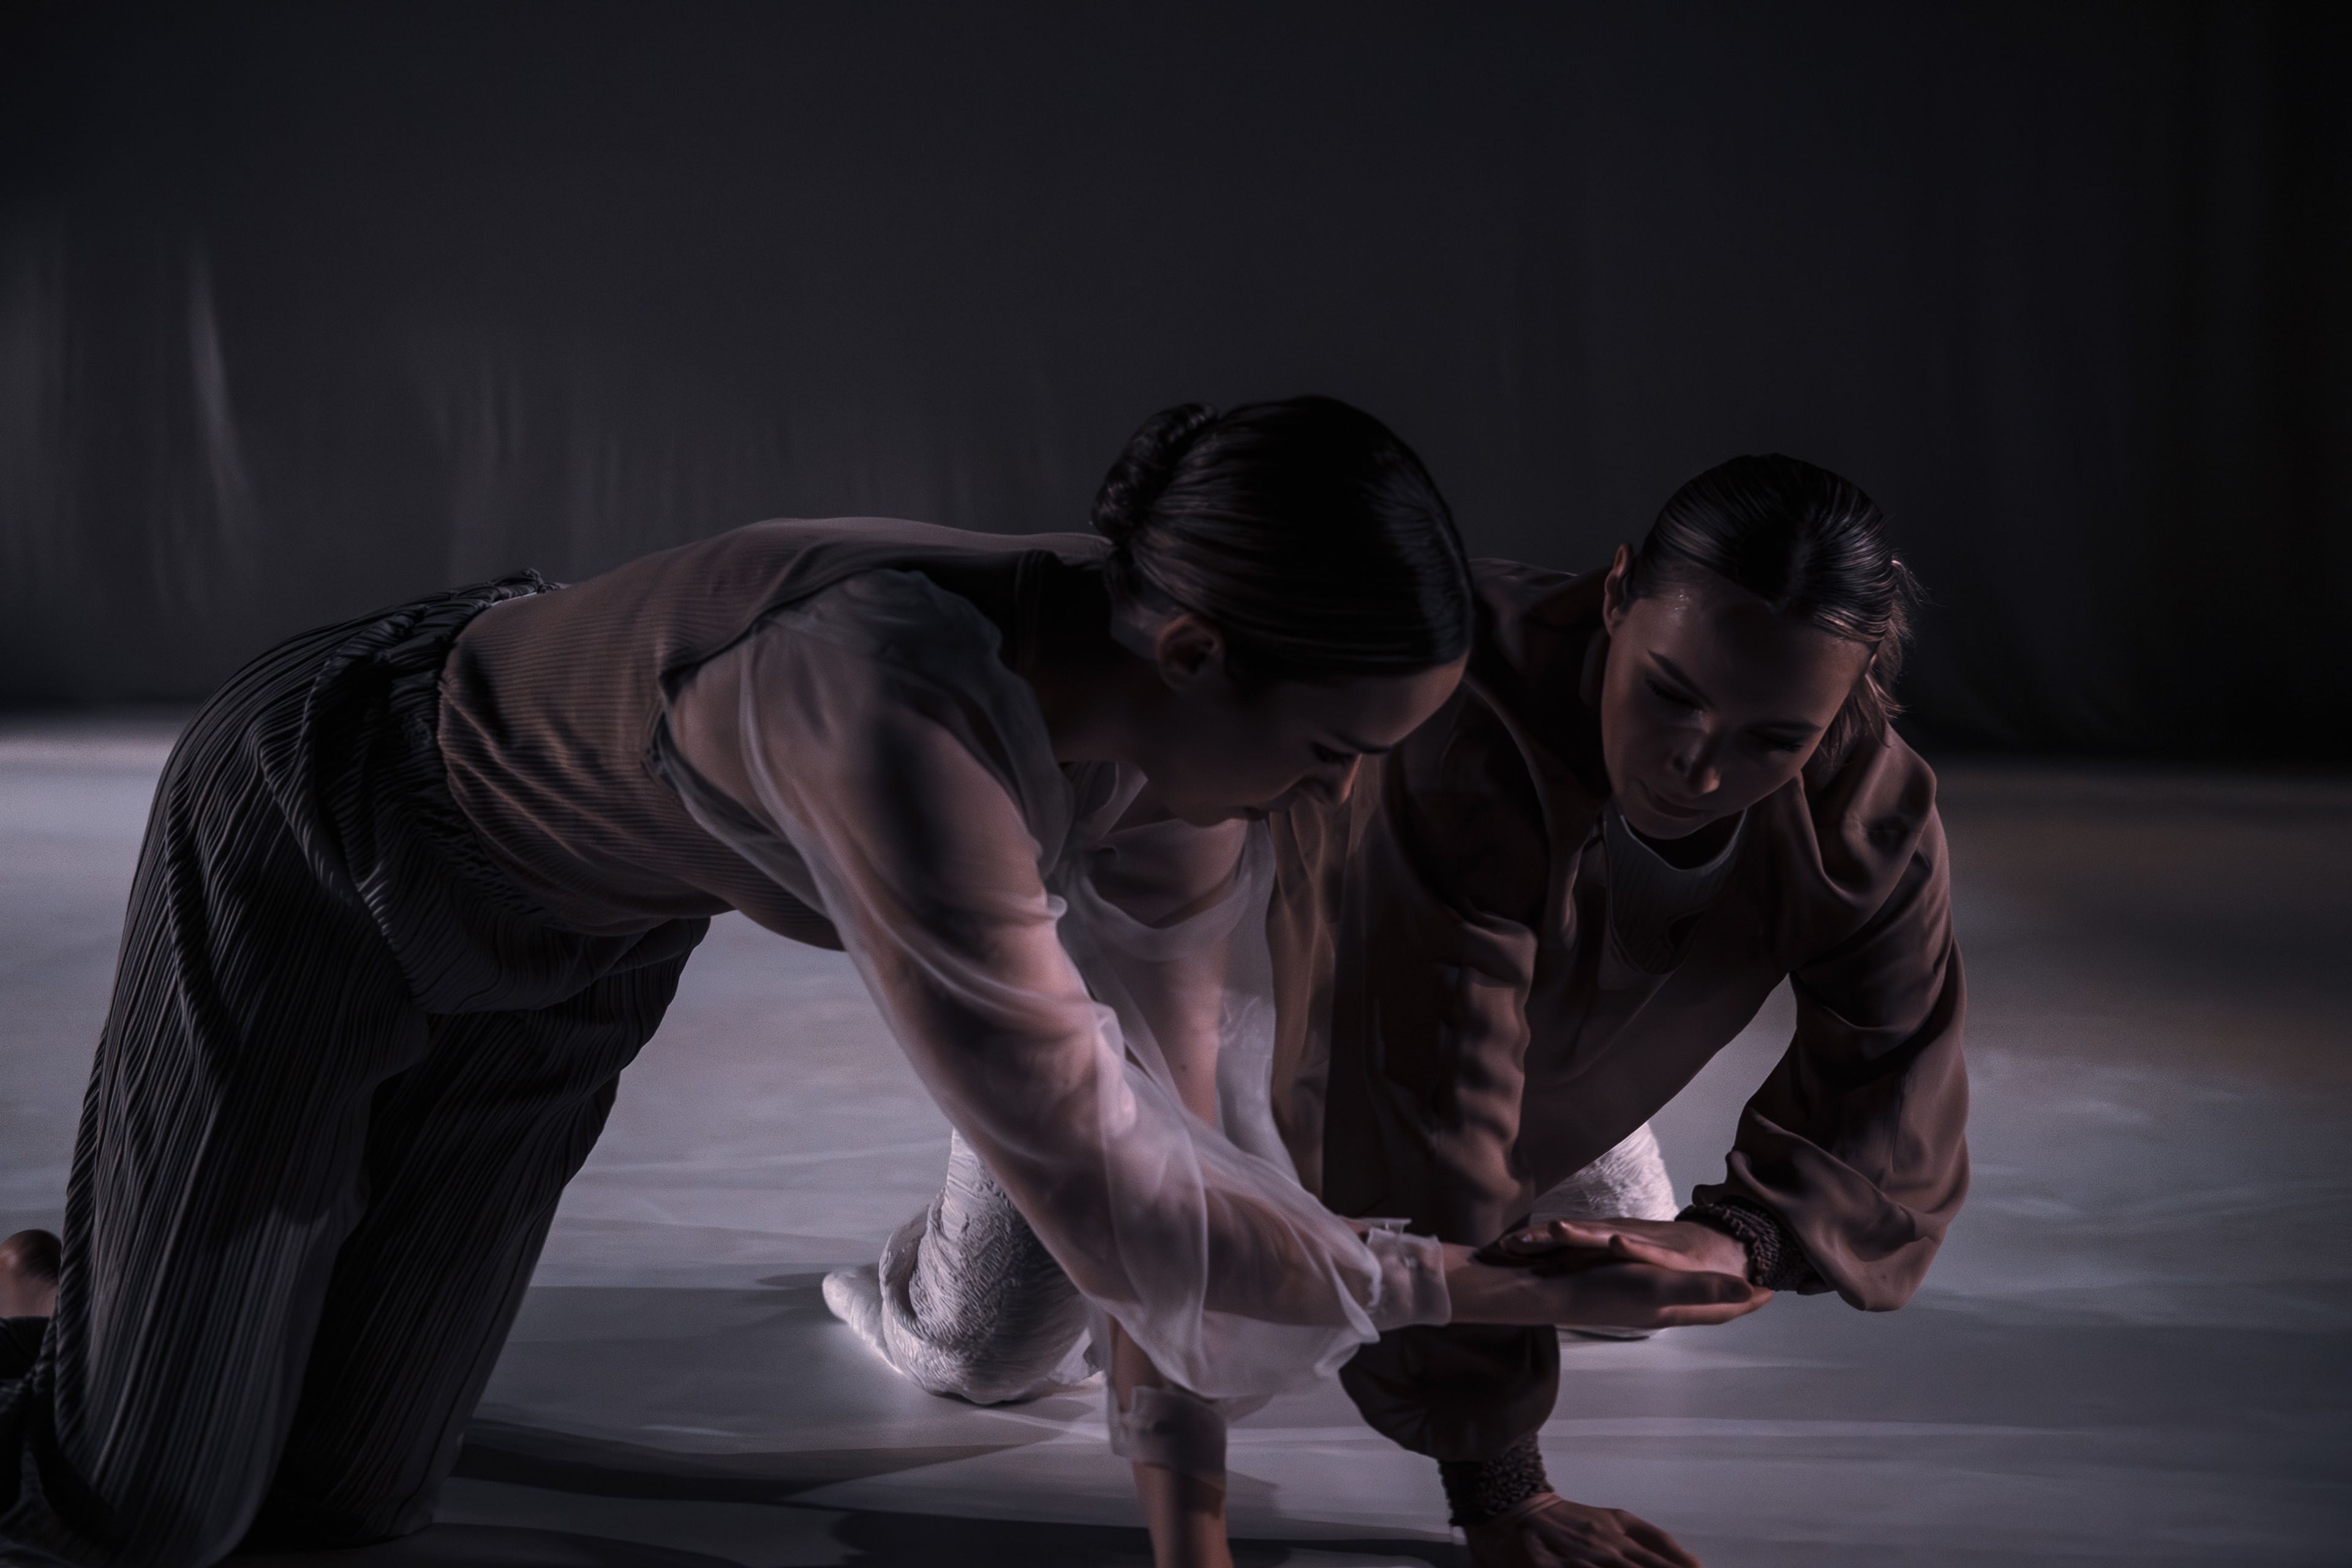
1210 816
1655 815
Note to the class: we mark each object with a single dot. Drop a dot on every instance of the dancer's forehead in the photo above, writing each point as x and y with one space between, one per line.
1733 654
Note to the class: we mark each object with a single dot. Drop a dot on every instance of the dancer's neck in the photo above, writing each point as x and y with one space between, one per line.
1094 691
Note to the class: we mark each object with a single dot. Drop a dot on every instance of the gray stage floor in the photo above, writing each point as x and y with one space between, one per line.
2134 1349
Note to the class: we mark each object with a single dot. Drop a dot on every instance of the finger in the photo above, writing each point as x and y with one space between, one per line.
1692 1297
1676 1286
1580 1231
1706 1316
1578 1260
1704 1286
1642 1295
1538 1237
1664 1547
1579 1254
1537 1553
1642 1250
1641 1556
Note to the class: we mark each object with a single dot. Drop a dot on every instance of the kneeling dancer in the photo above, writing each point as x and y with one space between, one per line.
416 887
1661 790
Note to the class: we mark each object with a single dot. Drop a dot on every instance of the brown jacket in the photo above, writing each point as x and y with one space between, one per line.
1460 1032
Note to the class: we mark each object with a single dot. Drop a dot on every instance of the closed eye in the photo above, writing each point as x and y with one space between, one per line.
1323 753
1667 694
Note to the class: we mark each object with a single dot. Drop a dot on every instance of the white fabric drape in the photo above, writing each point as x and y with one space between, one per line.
869 751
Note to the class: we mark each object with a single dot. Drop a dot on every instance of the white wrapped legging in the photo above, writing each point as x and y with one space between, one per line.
966 1300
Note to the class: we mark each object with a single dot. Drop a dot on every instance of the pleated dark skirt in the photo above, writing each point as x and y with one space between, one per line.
346 1072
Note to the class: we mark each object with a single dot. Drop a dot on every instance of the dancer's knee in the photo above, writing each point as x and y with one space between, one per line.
28 1275
292 1520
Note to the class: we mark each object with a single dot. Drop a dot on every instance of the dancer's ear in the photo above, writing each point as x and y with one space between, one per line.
1613 597
1187 650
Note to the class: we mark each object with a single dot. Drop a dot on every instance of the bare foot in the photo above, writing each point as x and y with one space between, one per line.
28 1275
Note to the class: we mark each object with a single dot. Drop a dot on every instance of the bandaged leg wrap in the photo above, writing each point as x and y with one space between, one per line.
1627 1182
1172 1429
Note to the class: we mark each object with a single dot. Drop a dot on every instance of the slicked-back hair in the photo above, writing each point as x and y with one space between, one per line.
1303 531
1810 544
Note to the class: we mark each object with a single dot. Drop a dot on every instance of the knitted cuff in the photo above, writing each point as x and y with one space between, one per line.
1478 1491
1776 1259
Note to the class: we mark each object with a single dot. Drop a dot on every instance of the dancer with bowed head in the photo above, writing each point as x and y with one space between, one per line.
417 887
1661 790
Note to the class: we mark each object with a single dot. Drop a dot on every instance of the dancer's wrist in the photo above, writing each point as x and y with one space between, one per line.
1416 1278
1481 1491
1776 1259
1498 1293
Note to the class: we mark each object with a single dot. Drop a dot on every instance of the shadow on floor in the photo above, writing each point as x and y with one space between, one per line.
875 1540
904 1540
549 1461
487 1546
591 1466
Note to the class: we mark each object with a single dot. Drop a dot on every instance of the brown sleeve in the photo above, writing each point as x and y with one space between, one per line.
1450 882
1856 1140
1431 1024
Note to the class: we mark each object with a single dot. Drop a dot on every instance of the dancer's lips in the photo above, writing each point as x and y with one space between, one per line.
1667 806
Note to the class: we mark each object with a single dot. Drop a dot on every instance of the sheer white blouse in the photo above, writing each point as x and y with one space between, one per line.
1040 965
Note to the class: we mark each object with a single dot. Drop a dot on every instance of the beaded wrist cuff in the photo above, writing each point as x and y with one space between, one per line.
1776 1259
1482 1489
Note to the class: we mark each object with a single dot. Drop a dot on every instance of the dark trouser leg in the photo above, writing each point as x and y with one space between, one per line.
466 1157
1456 1391
20 1344
215 1174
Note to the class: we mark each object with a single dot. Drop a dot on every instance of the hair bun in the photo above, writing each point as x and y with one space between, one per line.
1144 469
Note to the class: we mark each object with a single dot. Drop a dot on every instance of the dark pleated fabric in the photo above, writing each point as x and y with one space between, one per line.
346 1072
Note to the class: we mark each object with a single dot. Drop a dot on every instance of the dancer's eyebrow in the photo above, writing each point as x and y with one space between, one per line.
1799 727
1677 672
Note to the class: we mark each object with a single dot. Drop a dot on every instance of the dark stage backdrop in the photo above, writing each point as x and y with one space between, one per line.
308 308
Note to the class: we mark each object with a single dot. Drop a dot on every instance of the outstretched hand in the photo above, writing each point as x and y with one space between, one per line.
1563 1246
1593 1286
1549 1532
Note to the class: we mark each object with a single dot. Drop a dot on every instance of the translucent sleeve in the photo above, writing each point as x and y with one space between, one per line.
1166 922
889 795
